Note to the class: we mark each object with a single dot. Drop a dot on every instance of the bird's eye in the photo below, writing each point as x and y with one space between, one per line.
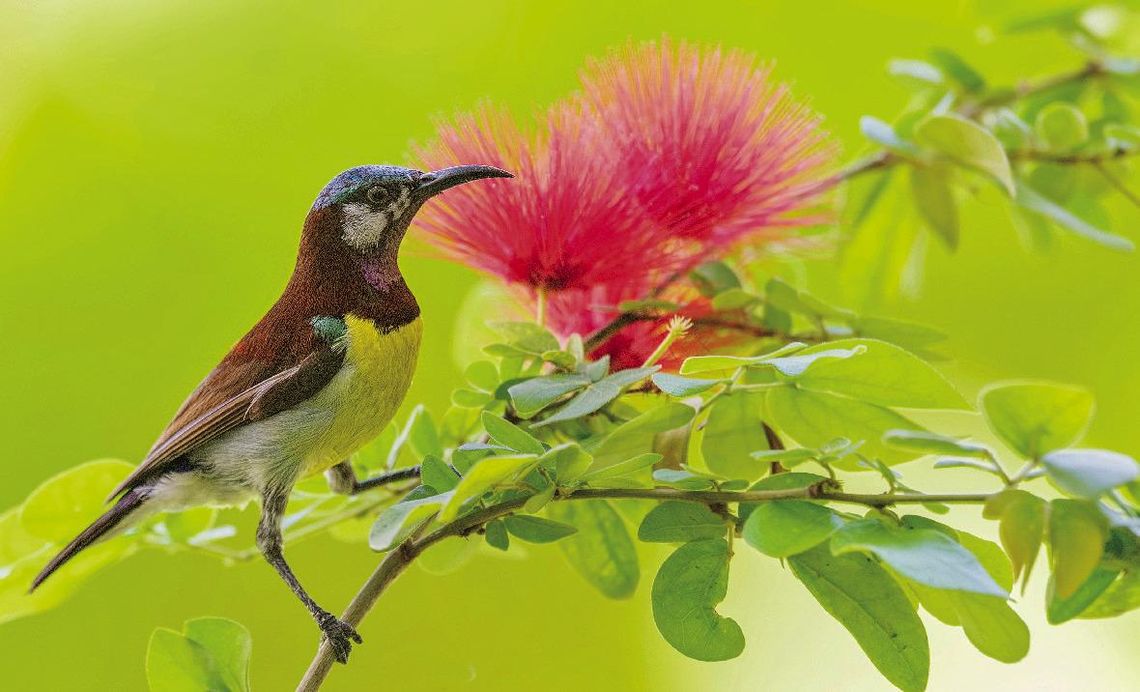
376 194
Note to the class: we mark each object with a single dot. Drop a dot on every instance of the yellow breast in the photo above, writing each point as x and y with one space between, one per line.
363 396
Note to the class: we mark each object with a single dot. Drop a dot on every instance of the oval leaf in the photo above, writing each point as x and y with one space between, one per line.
926 556
602 550
1077 531
789 527
1037 417
1089 472
967 143
680 522
860 594
733 430
686 591
534 529
883 374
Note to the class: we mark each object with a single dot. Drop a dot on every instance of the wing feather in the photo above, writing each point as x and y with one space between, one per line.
272 394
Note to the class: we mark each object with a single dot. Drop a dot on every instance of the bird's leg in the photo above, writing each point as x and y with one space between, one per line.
342 478
339 634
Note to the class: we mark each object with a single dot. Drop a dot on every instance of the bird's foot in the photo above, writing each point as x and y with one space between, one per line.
340 635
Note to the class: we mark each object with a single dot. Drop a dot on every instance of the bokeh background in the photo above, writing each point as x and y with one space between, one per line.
156 160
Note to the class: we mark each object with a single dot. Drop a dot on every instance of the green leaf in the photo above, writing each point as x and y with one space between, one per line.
992 626
598 394
858 593
787 457
1089 472
813 419
526 338
531 396
967 143
534 529
483 374
796 365
715 277
1061 127
23 555
733 430
680 522
496 535
1077 531
686 591
933 443
622 468
957 69
395 522
788 527
635 436
483 476
915 71
934 200
926 556
734 299
423 435
470 398
1038 203
861 195
1121 597
781 294
683 479
1011 131
698 364
906 334
562 359
779 481
434 472
678 386
569 460
1036 417
882 133
1059 610
1022 527
883 374
511 436
209 654
602 550
876 255
66 503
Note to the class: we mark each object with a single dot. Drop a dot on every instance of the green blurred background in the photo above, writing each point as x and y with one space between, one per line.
156 161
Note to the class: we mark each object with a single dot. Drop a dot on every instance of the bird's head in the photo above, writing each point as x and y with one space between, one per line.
371 206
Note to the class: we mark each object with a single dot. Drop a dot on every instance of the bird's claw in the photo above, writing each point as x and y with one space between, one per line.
339 634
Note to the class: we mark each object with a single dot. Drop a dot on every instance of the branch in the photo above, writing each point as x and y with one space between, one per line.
398 559
1025 89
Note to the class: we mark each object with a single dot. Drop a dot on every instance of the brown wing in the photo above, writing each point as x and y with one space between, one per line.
240 390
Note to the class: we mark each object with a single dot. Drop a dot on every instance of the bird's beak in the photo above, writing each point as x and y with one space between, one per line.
431 184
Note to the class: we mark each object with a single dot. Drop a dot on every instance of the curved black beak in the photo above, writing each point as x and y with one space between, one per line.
431 184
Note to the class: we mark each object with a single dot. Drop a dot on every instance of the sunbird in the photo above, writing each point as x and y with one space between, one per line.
319 375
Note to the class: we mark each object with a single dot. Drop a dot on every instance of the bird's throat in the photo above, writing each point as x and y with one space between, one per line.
381 271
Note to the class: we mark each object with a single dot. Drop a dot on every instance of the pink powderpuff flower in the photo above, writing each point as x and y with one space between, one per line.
668 157
709 145
564 223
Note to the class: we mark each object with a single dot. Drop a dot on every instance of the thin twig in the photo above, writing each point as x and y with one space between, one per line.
398 559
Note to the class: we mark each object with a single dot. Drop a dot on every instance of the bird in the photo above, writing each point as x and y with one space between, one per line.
315 379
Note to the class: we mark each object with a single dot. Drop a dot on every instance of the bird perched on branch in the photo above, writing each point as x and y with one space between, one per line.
320 375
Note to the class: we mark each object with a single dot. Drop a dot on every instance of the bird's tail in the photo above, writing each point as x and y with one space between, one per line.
128 503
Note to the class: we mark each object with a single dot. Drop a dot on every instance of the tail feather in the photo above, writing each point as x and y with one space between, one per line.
128 503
